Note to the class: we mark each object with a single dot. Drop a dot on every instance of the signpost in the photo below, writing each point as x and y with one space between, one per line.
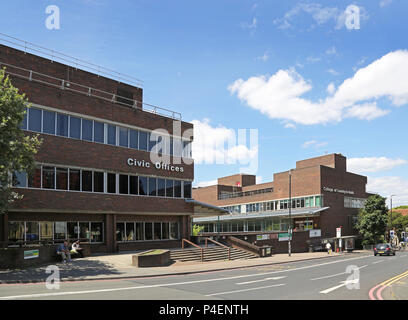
338 232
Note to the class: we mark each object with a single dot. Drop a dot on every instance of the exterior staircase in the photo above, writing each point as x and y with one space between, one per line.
212 253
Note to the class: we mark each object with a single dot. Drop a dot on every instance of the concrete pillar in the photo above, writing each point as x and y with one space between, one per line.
109 233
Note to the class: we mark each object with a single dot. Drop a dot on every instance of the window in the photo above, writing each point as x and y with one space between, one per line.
99 132
72 229
148 230
143 140
142 186
46 230
74 180
165 230
34 120
152 187
48 122
123 137
74 127
16 231
133 184
318 201
177 147
157 231
62 179
161 187
152 142
48 177
62 125
112 135
111 183
84 232
24 123
139 231
96 232
130 231
177 188
98 182
32 232
174 232
120 231
86 180
169 188
60 230
187 189
20 179
134 137
87 129
123 184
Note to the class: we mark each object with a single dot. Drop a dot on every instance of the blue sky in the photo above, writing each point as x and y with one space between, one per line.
265 65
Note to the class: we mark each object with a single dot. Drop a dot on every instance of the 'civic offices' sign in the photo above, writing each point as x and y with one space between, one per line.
337 190
157 165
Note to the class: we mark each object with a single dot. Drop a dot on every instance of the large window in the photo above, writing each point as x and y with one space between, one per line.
133 184
143 186
46 230
60 230
74 127
111 183
84 231
143 140
62 125
48 122
16 231
112 135
120 231
74 180
133 139
123 184
34 122
48 181
99 132
87 129
187 189
72 230
161 187
174 231
98 181
152 187
62 178
123 137
96 232
177 188
157 231
86 180
148 230
139 231
169 188
130 231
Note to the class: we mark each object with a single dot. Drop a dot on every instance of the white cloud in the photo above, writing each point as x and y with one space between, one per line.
373 164
384 3
312 59
331 88
331 50
264 57
313 143
205 183
290 126
333 72
220 145
387 186
259 179
253 25
280 96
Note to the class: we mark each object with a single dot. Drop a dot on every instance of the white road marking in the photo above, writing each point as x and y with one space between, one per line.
251 289
335 275
343 283
375 262
48 294
266 279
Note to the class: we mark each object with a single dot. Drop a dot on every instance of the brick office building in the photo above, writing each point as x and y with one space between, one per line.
324 197
95 179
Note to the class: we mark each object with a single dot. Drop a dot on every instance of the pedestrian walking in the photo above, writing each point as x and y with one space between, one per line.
329 248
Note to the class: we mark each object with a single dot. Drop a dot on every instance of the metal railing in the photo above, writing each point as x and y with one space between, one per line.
219 244
244 245
66 59
62 84
194 245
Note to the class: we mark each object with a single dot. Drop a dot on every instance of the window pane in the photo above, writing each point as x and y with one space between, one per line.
24 123
157 231
45 230
74 180
130 231
123 184
187 189
112 135
72 229
84 233
62 125
96 232
139 231
34 118
177 188
62 179
48 122
34 181
142 186
87 129
16 231
142 140
133 183
111 183
120 231
177 147
98 182
20 179
86 180
123 137
32 233
75 127
152 139
174 230
148 230
161 187
169 188
99 132
152 187
165 230
48 177
134 137
60 230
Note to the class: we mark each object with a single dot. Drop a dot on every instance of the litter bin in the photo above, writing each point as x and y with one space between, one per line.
266 251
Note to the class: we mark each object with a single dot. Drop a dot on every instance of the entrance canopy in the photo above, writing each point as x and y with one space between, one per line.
202 209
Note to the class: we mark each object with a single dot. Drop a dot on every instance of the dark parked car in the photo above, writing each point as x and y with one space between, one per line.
384 248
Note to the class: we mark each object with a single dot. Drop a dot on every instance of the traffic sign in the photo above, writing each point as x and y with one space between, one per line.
338 232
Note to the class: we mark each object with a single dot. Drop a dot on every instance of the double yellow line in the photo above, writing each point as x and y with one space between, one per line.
388 282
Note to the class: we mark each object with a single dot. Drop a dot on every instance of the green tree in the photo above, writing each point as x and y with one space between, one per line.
16 149
399 222
197 229
372 219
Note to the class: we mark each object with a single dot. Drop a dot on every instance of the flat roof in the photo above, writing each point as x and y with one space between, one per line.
202 209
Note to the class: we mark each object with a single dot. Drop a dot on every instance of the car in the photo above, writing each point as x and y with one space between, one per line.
384 249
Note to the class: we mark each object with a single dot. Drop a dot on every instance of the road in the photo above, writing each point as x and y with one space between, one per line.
321 279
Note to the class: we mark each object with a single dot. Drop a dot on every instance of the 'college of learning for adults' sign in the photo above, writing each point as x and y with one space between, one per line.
157 165
337 190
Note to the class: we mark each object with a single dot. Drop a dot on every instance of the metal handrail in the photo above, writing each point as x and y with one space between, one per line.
193 244
58 56
89 91
219 244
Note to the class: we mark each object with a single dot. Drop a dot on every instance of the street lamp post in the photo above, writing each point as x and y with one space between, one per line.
393 195
290 213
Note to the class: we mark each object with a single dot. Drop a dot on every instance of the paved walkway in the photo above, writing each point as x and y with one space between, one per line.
119 266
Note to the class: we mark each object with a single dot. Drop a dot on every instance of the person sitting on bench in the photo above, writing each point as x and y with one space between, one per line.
77 249
64 252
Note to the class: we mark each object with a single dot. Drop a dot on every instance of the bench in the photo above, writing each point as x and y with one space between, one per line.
58 257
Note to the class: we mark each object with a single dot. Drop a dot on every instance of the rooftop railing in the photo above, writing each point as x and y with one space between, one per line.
243 193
